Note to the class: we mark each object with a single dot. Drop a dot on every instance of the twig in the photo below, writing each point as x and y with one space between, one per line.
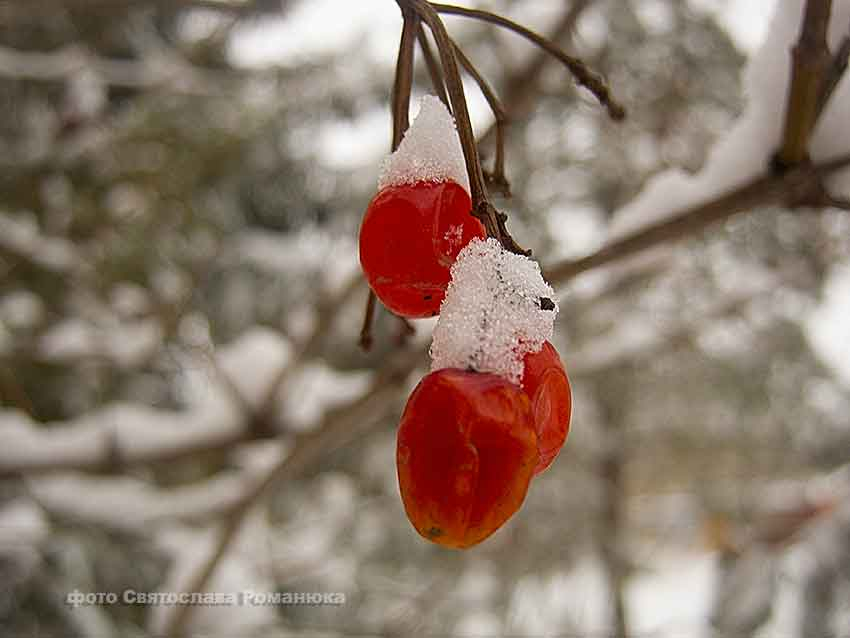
368 318
837 68
811 61
403 84
438 83
519 88
583 75
497 177
801 186
402 88
494 221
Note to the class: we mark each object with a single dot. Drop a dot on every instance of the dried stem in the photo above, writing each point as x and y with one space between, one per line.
403 84
583 75
837 68
368 319
520 86
811 62
801 186
402 87
497 177
493 220
438 83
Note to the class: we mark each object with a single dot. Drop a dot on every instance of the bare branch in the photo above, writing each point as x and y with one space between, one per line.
790 188
497 177
403 84
368 319
836 71
583 75
811 61
438 83
59 65
520 86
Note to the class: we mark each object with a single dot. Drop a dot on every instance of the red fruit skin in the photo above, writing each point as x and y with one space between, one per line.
409 239
546 382
466 453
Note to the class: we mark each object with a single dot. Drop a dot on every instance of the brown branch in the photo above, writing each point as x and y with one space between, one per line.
810 64
493 221
438 83
403 84
497 177
402 87
801 186
366 339
583 75
521 84
837 68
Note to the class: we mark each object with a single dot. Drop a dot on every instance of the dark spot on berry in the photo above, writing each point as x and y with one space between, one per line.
546 303
434 532
428 297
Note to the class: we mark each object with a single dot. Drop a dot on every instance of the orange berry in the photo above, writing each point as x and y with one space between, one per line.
466 453
409 239
546 383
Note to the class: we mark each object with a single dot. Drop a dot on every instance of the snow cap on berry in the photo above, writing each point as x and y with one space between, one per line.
429 152
497 309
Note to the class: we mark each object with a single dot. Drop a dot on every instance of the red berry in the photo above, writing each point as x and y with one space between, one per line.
409 239
466 454
547 384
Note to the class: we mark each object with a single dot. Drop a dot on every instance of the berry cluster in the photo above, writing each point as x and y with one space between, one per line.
495 410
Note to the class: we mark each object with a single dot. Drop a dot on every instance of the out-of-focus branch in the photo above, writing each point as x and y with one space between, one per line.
338 428
100 450
142 74
811 62
590 361
799 187
611 471
836 71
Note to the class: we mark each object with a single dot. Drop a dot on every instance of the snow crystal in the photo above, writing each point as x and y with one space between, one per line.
429 152
497 309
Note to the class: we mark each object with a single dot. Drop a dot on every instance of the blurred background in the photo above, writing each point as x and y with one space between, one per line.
184 403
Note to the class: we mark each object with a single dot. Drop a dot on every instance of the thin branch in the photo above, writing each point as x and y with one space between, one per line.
368 319
794 188
402 88
497 177
836 71
403 84
583 75
811 62
520 86
438 83
494 221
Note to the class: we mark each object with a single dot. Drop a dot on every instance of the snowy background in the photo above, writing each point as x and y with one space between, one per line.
180 304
